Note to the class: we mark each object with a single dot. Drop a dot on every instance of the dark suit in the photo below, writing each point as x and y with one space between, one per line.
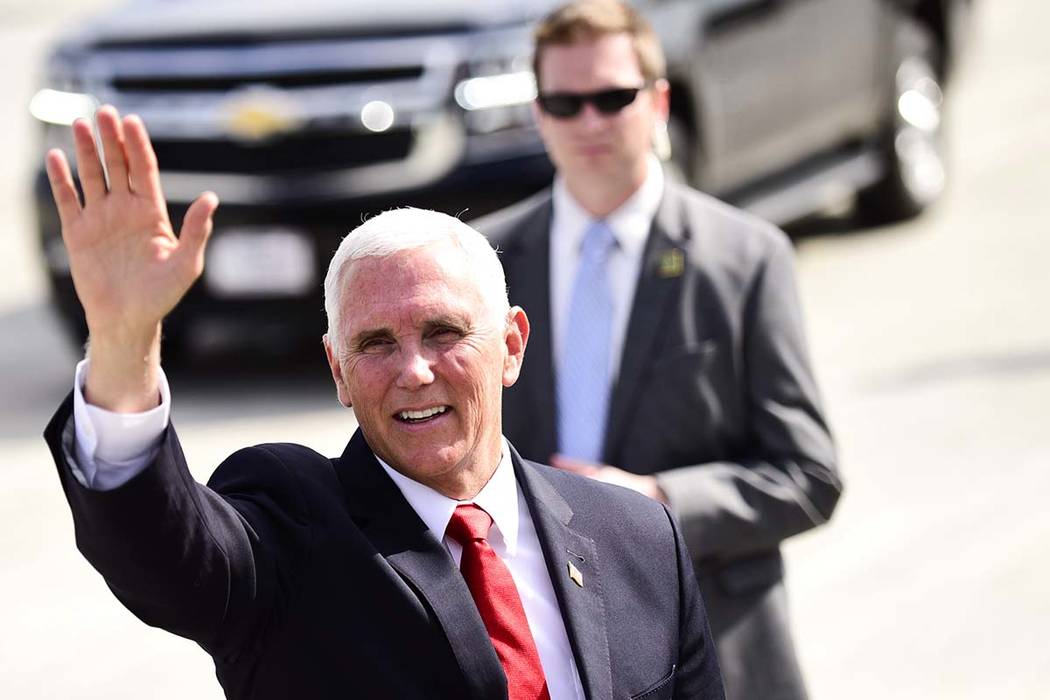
714 395
309 577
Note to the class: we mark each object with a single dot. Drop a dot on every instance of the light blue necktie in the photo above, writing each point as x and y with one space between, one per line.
583 377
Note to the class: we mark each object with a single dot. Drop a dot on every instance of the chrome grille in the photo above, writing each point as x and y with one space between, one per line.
280 107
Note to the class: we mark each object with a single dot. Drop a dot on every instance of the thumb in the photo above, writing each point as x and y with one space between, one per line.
196 228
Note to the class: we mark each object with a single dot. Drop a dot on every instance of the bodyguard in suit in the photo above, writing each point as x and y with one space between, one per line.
667 352
429 560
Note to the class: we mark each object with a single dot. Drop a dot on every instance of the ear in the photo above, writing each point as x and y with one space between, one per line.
516 337
662 98
337 373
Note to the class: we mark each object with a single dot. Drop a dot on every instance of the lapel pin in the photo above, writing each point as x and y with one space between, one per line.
672 263
575 575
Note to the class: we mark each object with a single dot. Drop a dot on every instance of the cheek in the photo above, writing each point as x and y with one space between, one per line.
554 135
641 126
472 374
363 381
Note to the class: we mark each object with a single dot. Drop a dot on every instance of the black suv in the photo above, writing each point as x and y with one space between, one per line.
306 116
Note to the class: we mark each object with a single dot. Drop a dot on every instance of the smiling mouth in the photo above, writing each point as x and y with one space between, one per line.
421 416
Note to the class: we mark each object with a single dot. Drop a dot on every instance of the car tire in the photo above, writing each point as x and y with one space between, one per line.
74 327
912 145
67 309
174 346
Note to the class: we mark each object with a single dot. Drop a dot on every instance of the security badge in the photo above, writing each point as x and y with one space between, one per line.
576 575
671 263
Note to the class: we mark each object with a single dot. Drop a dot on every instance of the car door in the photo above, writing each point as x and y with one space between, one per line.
784 80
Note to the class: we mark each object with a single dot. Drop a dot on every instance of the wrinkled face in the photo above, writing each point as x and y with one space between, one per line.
591 144
423 361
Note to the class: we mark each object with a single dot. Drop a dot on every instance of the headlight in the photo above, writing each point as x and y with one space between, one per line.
62 100
62 108
491 91
498 85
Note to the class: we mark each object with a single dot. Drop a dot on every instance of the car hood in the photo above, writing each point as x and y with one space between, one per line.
178 20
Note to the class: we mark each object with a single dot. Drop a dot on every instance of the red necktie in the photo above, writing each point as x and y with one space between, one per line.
494 593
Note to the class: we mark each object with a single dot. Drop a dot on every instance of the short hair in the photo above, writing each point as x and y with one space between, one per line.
409 228
586 20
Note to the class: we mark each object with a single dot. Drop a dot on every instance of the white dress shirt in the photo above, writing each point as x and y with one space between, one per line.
111 448
630 224
513 537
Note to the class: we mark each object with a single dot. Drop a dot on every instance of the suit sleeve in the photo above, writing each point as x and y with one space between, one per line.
697 674
784 481
182 556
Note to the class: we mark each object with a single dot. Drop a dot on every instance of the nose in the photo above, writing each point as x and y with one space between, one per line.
415 370
590 118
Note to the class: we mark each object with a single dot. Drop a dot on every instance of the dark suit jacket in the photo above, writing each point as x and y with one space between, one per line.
309 577
714 395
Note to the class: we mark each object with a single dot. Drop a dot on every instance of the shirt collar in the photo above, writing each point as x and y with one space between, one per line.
499 498
630 222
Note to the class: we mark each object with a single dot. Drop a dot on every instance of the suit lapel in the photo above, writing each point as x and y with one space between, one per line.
528 275
664 264
582 606
401 537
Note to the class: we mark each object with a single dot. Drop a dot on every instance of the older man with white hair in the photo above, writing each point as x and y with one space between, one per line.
428 560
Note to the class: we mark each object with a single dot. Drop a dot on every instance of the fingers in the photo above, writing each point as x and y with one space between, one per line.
127 151
196 227
575 466
111 132
143 173
62 189
89 167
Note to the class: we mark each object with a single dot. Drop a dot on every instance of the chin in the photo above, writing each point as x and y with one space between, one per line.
429 466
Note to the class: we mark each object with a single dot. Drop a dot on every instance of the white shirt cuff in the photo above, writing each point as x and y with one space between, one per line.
111 448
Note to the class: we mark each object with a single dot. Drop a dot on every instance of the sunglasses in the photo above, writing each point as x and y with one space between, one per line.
568 104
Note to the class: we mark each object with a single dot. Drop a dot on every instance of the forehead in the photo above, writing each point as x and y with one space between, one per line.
409 287
604 61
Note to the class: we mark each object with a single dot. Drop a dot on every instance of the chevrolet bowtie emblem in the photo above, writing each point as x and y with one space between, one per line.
257 114
672 263
576 575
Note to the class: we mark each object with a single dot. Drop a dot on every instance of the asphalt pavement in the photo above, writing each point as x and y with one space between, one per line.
933 343
931 339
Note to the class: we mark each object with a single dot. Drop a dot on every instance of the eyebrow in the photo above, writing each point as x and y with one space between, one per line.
450 320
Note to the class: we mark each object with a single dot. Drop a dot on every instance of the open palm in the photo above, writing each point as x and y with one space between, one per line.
128 267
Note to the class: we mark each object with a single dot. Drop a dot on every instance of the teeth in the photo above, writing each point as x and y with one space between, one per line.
420 415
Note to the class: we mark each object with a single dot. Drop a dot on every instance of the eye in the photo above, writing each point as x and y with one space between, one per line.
445 334
375 344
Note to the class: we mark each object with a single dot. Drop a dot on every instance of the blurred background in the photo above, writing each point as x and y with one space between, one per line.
930 337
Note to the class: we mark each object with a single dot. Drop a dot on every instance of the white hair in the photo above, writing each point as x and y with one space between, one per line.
409 228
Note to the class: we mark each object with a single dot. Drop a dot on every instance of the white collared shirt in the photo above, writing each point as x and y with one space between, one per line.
110 448
513 538
630 224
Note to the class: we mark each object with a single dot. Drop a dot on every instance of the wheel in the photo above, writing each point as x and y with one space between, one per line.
74 327
912 144
175 349
67 309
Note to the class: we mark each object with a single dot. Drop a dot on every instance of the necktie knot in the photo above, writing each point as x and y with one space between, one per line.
469 523
597 243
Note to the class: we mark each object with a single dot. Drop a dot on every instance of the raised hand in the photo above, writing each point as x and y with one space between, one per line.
128 267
